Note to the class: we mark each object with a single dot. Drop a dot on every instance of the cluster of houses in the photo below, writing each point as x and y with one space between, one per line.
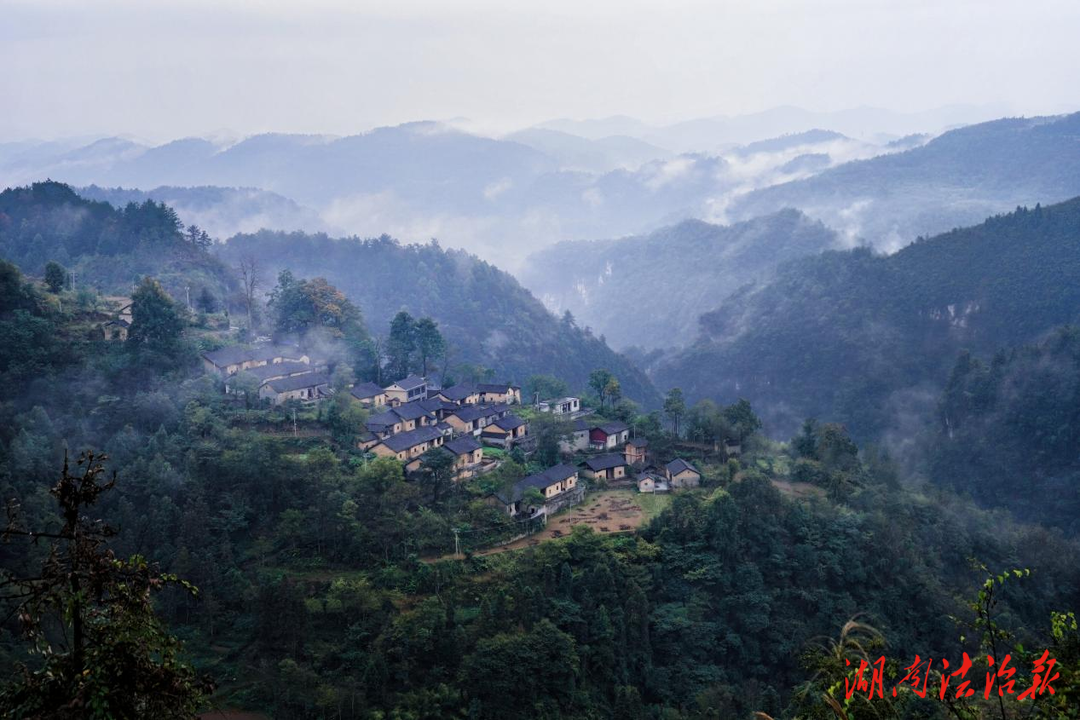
411 416
281 372
560 486
408 417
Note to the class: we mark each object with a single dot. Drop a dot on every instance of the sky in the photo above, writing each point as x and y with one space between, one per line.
164 69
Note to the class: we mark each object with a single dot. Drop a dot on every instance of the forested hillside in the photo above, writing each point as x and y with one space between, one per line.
489 319
677 272
108 248
220 211
856 337
313 600
956 179
1008 430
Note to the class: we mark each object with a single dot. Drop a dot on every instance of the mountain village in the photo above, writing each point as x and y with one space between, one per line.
415 416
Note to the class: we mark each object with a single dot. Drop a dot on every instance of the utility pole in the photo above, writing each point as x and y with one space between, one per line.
188 289
294 422
457 543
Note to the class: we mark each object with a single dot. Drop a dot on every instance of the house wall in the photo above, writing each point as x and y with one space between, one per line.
279 398
383 451
561 486
579 441
467 460
572 496
686 478
459 425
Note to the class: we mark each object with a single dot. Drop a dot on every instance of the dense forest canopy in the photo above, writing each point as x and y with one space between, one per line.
858 337
1008 430
685 270
107 248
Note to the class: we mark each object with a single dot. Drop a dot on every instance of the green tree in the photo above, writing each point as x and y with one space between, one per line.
401 345
705 422
675 408
55 275
304 305
429 343
613 390
742 419
155 320
599 381
197 237
437 472
549 432
114 657
805 443
206 302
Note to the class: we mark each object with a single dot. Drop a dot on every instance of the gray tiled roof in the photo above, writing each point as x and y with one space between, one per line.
605 462
410 383
406 440
678 465
457 393
298 382
235 354
510 422
462 445
279 370
366 391
495 387
613 427
474 412
410 411
548 477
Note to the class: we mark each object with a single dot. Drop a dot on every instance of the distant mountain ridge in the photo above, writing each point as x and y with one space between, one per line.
853 337
496 197
500 198
718 131
956 179
648 290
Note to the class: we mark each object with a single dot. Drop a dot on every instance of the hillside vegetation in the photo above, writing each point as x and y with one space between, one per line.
491 320
857 337
108 248
648 290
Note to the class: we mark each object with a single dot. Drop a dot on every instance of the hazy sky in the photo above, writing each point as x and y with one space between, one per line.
160 69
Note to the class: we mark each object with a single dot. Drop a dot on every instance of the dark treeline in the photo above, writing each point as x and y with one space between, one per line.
1008 430
108 249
